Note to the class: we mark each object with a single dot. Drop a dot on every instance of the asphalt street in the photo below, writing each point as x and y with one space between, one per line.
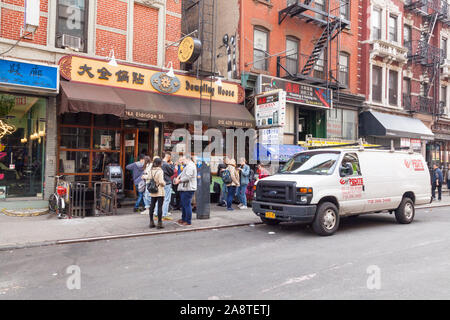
370 257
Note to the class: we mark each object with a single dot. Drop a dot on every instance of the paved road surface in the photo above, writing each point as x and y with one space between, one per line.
283 262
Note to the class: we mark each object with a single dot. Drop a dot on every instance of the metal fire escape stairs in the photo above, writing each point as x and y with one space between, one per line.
332 27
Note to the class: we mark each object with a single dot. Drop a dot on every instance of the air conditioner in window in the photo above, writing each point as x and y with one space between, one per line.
70 42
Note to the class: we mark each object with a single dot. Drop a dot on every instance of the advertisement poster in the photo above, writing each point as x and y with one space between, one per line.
270 109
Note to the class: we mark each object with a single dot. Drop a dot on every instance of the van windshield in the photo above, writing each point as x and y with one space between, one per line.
315 163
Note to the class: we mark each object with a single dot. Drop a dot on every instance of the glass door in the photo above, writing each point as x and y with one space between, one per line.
129 155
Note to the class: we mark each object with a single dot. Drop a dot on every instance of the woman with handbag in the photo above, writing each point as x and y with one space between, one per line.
155 187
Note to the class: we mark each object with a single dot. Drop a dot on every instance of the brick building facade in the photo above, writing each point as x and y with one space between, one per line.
139 33
403 47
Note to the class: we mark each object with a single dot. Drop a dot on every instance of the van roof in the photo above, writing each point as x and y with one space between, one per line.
356 149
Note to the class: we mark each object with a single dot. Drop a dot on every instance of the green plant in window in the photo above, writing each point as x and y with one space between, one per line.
6 104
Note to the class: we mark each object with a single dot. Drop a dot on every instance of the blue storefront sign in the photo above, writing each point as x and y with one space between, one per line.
37 77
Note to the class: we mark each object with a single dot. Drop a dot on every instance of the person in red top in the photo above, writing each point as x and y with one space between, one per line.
262 172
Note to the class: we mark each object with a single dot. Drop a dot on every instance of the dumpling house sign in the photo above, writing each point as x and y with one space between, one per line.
127 76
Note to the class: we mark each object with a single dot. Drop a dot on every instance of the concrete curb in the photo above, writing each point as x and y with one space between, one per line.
120 236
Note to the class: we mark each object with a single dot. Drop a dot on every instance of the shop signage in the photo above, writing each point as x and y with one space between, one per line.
298 93
270 109
189 50
38 77
271 136
125 76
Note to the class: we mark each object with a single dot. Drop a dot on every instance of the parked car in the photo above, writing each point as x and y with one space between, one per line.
321 186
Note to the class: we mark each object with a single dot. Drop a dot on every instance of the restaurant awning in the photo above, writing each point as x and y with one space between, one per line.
133 104
373 123
80 97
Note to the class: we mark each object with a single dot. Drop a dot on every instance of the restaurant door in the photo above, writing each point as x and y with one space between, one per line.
129 155
136 141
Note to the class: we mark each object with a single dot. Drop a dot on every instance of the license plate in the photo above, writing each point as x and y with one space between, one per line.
270 215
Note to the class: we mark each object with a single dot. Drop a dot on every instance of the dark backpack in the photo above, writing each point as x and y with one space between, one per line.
226 176
152 187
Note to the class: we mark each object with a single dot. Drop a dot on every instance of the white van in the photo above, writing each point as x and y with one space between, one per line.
318 187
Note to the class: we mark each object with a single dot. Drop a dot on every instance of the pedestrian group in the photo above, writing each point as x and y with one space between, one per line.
155 179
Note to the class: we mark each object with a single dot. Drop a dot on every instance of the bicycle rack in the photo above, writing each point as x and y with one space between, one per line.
77 200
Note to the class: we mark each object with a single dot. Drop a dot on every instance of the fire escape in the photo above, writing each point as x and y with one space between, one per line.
430 58
314 68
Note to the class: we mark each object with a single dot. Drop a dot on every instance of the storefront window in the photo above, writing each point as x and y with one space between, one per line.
75 138
342 124
74 161
106 139
101 159
79 119
22 145
106 120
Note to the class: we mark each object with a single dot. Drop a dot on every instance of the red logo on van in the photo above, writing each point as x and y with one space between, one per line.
407 163
418 165
343 181
356 182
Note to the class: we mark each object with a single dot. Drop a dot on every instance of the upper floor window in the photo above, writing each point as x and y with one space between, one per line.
444 47
344 9
444 96
393 33
320 5
393 87
292 55
71 24
320 66
376 83
407 38
376 24
344 62
406 92
260 49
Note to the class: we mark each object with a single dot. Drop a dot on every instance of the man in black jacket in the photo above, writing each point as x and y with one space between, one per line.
169 169
223 194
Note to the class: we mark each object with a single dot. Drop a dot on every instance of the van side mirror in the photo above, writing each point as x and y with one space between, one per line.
346 170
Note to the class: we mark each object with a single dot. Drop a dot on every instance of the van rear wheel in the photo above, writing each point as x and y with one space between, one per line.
326 221
405 212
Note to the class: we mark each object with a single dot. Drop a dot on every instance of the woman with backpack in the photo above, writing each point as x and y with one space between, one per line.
231 177
155 187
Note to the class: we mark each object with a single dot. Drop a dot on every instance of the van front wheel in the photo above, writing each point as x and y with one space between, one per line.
326 221
405 212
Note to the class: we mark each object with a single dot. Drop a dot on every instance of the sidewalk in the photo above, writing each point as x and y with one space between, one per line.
18 232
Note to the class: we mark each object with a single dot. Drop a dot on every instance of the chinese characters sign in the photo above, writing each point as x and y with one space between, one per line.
99 72
37 76
298 93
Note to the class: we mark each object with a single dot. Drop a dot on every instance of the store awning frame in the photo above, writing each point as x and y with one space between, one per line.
142 105
379 124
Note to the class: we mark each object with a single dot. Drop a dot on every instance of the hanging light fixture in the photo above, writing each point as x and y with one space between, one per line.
170 73
112 59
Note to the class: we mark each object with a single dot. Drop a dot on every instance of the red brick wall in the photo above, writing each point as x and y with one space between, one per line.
258 13
106 40
173 33
111 14
12 22
145 34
